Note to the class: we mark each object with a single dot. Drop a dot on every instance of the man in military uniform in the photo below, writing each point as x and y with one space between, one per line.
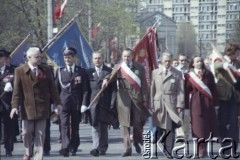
73 85
132 100
6 79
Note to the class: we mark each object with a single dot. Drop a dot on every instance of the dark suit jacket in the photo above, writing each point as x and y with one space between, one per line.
78 89
105 108
6 97
34 92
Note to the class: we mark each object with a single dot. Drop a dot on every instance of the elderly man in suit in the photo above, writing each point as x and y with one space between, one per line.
103 111
132 100
73 85
33 87
167 100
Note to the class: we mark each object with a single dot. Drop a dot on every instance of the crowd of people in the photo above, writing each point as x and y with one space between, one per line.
196 96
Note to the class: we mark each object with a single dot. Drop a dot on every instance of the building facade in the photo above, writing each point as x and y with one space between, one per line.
213 20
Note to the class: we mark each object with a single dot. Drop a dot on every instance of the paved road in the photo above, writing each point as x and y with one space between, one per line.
114 151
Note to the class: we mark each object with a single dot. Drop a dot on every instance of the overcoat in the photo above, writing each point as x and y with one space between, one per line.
33 93
127 96
104 109
202 111
167 93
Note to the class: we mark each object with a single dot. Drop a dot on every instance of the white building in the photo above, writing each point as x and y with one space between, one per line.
213 19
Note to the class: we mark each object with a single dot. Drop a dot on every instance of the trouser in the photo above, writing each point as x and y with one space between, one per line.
9 131
47 144
100 137
36 127
70 141
228 121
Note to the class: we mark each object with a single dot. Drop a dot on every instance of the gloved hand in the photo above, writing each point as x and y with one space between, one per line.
226 65
8 87
84 108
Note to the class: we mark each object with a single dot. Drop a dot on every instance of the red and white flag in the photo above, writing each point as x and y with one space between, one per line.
60 9
95 31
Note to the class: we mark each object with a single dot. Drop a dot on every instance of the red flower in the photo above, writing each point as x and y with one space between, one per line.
41 75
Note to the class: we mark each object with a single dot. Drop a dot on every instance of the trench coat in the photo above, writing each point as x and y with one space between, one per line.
127 96
167 94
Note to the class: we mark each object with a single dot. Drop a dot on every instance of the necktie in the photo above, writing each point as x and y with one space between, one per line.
166 72
200 74
35 71
98 72
70 71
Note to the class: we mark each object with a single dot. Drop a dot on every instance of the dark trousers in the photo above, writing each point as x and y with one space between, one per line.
70 124
228 120
9 131
100 137
168 142
47 145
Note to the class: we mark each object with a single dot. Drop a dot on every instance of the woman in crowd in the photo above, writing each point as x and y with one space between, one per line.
201 86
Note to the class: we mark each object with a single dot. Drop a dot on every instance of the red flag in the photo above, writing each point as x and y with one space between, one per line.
146 52
95 31
60 9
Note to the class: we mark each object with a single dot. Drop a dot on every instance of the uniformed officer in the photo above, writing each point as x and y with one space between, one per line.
6 79
73 85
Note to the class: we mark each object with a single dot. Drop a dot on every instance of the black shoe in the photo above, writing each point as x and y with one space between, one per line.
64 152
138 148
126 154
46 153
102 153
8 154
94 152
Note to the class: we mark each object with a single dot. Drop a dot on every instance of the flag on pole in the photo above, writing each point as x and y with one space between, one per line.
72 37
146 52
60 9
95 31
18 55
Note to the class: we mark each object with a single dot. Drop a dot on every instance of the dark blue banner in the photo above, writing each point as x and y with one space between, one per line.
71 38
18 55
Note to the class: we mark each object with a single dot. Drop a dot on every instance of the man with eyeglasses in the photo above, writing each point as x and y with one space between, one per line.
183 131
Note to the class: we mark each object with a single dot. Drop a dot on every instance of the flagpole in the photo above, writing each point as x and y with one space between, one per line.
24 40
61 31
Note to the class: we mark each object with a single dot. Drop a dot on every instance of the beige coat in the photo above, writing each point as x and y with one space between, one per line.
127 96
33 93
167 93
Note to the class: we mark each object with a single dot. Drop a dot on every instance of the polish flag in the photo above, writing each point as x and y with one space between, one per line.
95 31
60 9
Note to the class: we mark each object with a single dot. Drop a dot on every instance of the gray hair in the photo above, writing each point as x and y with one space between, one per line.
98 53
166 54
32 51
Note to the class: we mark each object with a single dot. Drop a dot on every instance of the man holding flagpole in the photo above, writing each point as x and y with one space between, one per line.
132 100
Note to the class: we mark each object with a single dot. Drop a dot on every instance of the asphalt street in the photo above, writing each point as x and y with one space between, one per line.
114 151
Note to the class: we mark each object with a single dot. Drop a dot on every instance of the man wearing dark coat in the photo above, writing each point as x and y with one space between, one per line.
132 100
6 80
228 94
73 87
103 111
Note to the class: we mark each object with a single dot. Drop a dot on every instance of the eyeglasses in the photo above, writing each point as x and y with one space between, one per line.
182 60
